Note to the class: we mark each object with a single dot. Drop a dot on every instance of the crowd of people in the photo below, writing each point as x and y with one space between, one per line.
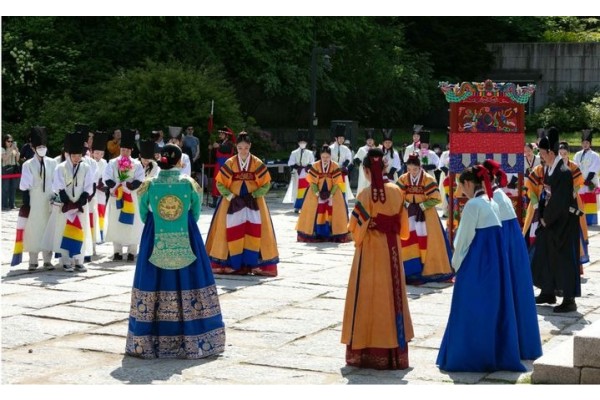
121 189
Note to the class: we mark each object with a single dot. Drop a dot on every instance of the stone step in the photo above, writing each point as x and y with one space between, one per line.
576 360
556 366
587 346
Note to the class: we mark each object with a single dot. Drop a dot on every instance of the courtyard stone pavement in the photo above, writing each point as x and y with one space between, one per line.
70 328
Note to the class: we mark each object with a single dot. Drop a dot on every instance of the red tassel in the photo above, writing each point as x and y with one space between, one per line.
484 174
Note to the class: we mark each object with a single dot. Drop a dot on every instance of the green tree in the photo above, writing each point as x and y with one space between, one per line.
165 94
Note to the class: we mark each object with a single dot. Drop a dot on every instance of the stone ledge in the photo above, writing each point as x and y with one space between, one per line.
556 366
586 346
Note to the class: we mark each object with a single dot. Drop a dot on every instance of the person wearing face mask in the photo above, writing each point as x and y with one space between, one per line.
300 161
37 175
68 230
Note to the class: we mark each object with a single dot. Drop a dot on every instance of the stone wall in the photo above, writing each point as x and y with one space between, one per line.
553 67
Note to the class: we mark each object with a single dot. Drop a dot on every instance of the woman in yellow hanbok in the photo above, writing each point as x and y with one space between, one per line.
377 325
241 238
324 215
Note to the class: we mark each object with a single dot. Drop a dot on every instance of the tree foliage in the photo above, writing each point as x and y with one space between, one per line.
155 71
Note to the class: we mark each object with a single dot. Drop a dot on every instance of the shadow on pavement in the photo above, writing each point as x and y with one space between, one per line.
366 376
140 371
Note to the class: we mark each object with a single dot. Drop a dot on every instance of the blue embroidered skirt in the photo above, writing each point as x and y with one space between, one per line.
174 313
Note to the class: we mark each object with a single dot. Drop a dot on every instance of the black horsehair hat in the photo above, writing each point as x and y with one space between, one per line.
147 149
74 142
550 142
340 130
39 136
302 135
128 139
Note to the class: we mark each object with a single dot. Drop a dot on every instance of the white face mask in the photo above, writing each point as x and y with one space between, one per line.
302 145
137 137
41 151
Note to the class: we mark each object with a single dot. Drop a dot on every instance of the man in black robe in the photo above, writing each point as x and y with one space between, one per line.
555 264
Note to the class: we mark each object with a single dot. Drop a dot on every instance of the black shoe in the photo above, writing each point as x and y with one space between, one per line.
545 299
117 257
568 305
130 257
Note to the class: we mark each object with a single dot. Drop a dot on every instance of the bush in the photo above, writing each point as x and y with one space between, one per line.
571 112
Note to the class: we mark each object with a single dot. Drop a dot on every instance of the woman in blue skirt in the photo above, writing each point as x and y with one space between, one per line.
530 343
481 334
175 311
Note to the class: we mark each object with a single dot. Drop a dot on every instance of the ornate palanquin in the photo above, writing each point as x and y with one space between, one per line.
487 120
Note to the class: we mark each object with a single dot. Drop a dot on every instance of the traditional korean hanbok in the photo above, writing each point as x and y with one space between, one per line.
68 231
377 324
528 330
175 311
342 155
589 164
481 334
324 215
37 175
426 253
241 238
300 161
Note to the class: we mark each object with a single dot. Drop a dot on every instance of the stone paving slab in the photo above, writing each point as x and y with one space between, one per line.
48 298
258 339
70 313
92 342
330 365
258 374
116 329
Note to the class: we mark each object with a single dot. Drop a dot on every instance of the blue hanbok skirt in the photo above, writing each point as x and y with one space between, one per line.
481 334
530 343
174 313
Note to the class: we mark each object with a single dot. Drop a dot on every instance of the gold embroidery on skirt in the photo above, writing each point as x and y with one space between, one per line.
187 305
179 346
